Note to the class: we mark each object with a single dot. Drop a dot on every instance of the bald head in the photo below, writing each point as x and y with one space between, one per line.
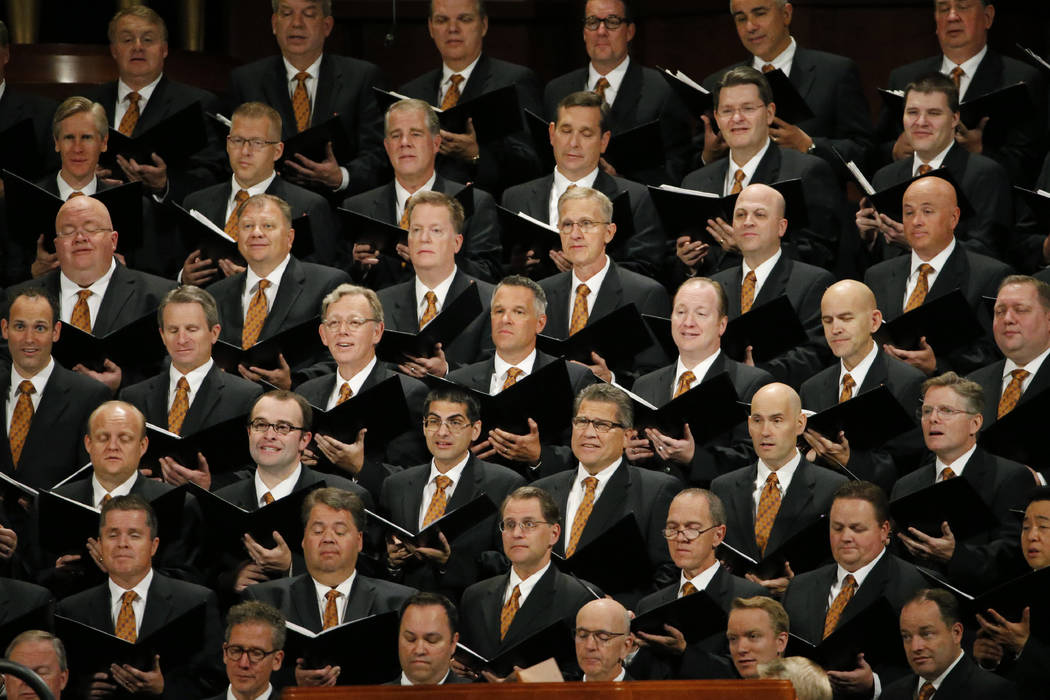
602 661
766 195
758 223
849 316
930 215
75 207
85 240
775 423
115 442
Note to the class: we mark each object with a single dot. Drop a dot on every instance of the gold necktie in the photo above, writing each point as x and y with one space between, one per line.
403 223
331 612
948 473
512 377
956 76
179 406
924 168
20 419
768 68
579 309
438 501
256 316
849 587
431 311
768 505
106 499
510 609
1012 393
268 498
922 288
125 628
74 193
747 292
452 95
301 102
847 388
579 522
345 392
685 382
81 316
599 88
926 691
688 589
131 117
232 224
738 182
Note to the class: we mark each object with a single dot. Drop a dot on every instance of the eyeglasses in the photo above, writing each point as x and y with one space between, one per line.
943 412
691 533
255 655
612 22
87 231
255 144
582 635
526 525
455 424
281 428
334 324
600 426
586 226
746 110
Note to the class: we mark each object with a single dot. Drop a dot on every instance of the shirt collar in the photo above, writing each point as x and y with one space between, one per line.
314 69
934 162
447 73
69 288
782 62
763 269
265 695
750 166
441 290
594 283
784 474
279 490
274 277
860 574
957 466
343 587
141 588
501 366
356 381
603 476
454 473
144 93
65 189
526 585
936 262
859 372
701 581
98 492
561 183
969 66
699 371
615 76
1032 367
401 194
257 188
936 682
39 380
195 377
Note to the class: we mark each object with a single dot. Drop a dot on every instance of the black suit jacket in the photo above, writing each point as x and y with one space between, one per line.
344 89
18 598
967 681
990 377
986 559
645 493
643 252
477 553
977 276
804 286
724 452
808 497
481 252
199 673
503 162
16 106
643 96
900 455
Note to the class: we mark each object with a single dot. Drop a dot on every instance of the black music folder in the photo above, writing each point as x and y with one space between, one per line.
365 650
869 420
1011 598
890 201
453 319
379 235
618 337
708 408
228 522
953 500
1018 435
521 233
18 148
554 640
382 410
452 524
297 343
1004 104
175 140
616 560
806 549
685 212
538 129
790 105
637 148
771 328
313 143
698 100
224 445
696 616
947 322
874 632
137 344
495 114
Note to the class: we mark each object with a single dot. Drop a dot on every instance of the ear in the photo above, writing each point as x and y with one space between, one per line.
550 134
143 446
459 242
876 320
55 332
3 327
541 323
606 135
722 325
278 151
215 331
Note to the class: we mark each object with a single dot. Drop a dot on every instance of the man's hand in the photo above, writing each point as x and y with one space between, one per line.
517 448
671 449
560 261
421 366
101 686
673 642
177 475
45 261
316 677
230 268
276 560
902 148
690 252
607 167
365 256
599 368
325 172
438 556
397 552
136 681
280 377
715 146
723 233
922 545
789 136
775 586
249 574
110 374
834 452
153 176
868 222
987 653
8 542
857 682
66 561
402 251
923 358
349 457
971 139
893 231
638 448
749 356
95 552
463 146
199 271
1011 635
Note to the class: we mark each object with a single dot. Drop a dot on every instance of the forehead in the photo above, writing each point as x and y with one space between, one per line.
926 100
739 93
406 118
927 194
600 617
30 307
244 124
697 293
523 508
252 634
78 124
753 198
580 207
580 116
688 507
603 8
942 394
750 618
350 303
1017 293
852 510
922 613
36 649
432 214
1038 509
137 25
513 295
454 7
115 418
272 408
841 301
749 5
770 402
184 312
598 409
448 408
126 519
264 210
322 513
425 617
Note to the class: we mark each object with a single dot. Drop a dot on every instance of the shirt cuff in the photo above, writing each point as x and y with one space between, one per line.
345 181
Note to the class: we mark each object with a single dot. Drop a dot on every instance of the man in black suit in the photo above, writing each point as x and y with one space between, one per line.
745 111
331 591
519 314
849 316
757 631
829 84
501 611
137 601
936 266
42 653
699 315
603 489
603 641
252 147
782 493
458 28
821 600
324 86
951 418
1016 142
435 235
412 139
250 308
579 134
253 630
636 94
932 632
17 106
453 478
931 120
48 447
427 638
768 273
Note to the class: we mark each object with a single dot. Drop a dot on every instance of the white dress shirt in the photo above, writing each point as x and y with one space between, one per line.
578 489
762 272
937 262
782 62
501 368
455 473
440 291
194 378
525 586
138 606
749 169
251 285
121 107
98 492
446 78
39 382
558 187
615 78
594 284
355 382
340 602
784 476
699 371
969 67
69 294
280 490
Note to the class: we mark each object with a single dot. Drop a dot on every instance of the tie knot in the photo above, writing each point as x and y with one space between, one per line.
848 382
514 373
332 595
128 597
182 384
948 473
83 294
74 193
241 196
263 285
925 269
687 377
849 583
688 588
443 482
345 392
768 68
925 168
1019 374
590 483
738 177
456 79
133 98
926 691
583 290
268 498
431 297
772 480
301 77
26 387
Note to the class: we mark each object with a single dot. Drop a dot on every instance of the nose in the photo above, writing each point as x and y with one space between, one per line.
244 661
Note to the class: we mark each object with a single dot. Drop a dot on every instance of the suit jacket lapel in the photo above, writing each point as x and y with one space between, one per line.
121 288
948 277
361 602
987 77
896 286
209 394
479 80
608 508
742 510
803 73
627 97
304 602
798 496
610 296
279 96
768 170
537 605
409 505
287 293
469 484
776 283
877 373
156 108
158 606
329 85
157 400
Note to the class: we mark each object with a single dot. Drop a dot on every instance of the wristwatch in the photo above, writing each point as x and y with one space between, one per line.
812 148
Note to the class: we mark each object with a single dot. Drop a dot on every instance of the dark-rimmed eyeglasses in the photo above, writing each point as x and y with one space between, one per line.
281 428
612 22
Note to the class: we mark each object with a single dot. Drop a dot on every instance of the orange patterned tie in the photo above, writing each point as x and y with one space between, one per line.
510 609
268 498
599 88
738 182
924 168
345 392
125 628
579 522
403 223
948 473
256 316
438 501
1012 393
849 587
105 499
847 388
579 309
685 382
512 377
687 589
81 316
768 68
431 311
747 292
956 75
179 406
926 691
74 193
131 117
331 612
922 288
452 96
301 102
20 419
768 505
232 224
